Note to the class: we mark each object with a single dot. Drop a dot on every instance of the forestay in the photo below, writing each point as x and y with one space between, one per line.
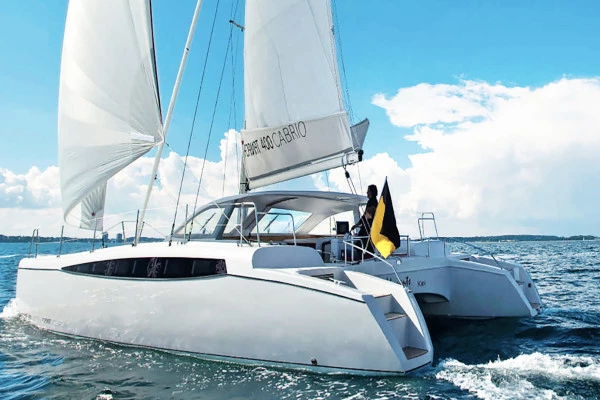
296 123
109 109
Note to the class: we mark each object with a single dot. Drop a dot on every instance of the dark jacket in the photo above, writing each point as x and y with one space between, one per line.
365 222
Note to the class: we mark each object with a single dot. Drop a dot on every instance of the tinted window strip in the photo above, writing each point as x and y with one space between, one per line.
152 267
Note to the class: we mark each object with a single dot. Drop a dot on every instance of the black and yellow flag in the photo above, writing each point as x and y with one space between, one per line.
384 232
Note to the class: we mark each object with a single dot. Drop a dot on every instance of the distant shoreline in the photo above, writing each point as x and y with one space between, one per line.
518 238
27 239
500 238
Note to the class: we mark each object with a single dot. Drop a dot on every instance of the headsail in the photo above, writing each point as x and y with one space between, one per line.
296 123
109 108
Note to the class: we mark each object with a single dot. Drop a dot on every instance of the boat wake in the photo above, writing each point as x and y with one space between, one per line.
10 256
10 310
528 376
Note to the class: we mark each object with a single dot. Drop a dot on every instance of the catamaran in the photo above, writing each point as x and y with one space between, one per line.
445 284
222 287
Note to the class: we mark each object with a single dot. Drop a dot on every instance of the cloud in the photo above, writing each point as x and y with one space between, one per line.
426 104
32 200
502 159
495 160
215 179
35 189
22 221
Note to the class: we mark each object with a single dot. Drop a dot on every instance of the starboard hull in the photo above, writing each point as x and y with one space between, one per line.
461 288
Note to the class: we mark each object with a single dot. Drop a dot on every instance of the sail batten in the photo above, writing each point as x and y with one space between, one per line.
109 108
295 116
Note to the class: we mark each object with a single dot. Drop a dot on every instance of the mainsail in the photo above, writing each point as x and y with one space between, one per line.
296 123
109 108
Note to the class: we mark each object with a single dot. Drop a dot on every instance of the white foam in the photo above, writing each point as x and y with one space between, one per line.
554 366
10 256
508 379
10 310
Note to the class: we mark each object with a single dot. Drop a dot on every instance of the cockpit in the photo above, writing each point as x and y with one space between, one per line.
302 218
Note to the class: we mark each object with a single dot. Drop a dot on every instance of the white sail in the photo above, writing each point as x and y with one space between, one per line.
109 107
296 123
359 133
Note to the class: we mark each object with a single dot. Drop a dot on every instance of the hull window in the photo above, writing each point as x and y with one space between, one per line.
152 267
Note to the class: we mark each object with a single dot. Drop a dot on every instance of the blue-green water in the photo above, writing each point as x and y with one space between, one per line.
553 356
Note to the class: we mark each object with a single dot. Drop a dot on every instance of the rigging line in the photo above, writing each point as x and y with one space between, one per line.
235 60
234 11
227 138
352 185
225 162
349 180
339 40
212 123
163 187
231 105
232 101
212 29
329 187
237 153
359 177
153 228
332 68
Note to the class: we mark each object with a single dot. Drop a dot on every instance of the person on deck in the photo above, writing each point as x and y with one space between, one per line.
366 220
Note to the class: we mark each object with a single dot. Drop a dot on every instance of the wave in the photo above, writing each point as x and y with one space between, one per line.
10 310
519 377
11 256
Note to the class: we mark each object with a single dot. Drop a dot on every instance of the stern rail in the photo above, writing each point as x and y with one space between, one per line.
35 235
352 245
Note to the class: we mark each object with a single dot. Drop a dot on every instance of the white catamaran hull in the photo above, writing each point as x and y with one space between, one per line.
271 316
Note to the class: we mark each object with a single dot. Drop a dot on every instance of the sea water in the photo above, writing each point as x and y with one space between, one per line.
555 355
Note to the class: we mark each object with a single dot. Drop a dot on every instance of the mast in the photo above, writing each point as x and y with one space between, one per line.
243 184
243 180
159 151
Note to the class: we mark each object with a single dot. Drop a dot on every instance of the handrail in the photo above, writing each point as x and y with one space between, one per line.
221 211
62 231
34 234
137 221
241 228
407 244
346 242
378 258
278 213
185 222
122 223
423 218
105 218
481 249
407 237
62 239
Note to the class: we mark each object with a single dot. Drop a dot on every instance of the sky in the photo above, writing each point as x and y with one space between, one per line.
483 112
